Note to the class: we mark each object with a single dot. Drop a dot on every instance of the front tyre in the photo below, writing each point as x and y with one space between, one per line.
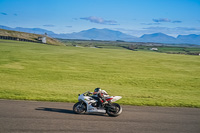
114 110
79 108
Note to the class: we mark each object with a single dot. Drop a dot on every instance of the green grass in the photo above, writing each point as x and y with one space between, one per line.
30 71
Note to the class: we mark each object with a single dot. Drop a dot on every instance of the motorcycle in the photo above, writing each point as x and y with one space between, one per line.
88 104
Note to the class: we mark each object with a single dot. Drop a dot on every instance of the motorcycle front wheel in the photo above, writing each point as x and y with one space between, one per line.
79 108
114 110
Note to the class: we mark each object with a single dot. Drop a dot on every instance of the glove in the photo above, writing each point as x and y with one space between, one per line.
89 92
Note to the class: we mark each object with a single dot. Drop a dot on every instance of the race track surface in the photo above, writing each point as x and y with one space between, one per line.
53 117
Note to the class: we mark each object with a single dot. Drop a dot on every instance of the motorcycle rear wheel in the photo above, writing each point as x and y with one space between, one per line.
114 110
79 108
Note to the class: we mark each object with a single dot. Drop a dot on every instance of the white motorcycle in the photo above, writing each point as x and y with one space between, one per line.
88 104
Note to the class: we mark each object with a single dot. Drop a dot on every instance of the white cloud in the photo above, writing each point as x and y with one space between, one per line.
49 25
99 20
3 13
162 20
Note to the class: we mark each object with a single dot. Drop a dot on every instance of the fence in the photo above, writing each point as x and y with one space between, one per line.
18 39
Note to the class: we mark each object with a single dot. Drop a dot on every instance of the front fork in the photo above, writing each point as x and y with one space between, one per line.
81 106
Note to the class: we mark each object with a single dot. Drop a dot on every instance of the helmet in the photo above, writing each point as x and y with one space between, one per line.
97 89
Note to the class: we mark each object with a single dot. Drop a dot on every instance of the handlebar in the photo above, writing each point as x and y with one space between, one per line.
87 93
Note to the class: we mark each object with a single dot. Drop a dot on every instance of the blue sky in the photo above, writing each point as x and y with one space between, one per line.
134 17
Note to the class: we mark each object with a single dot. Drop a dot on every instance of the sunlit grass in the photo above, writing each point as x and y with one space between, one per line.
31 71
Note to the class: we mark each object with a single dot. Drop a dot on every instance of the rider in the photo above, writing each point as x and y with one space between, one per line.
100 96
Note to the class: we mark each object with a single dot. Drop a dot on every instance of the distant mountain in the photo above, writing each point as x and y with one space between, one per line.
98 34
157 37
28 30
112 35
191 39
163 38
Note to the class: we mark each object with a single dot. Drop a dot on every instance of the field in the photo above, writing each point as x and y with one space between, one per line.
187 49
32 71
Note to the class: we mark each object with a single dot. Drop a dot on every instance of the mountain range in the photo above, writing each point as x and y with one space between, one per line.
112 35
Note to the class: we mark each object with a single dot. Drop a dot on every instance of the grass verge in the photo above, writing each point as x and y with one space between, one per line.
31 71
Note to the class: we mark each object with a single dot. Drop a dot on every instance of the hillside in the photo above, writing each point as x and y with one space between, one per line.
28 36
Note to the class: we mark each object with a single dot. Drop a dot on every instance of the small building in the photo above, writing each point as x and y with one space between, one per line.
154 49
42 39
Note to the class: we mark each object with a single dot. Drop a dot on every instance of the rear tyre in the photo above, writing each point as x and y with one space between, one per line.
114 110
79 108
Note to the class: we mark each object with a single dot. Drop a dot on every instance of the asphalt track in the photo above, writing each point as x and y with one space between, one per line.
55 117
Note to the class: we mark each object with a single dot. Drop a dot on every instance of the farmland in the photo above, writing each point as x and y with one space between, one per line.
32 71
187 49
